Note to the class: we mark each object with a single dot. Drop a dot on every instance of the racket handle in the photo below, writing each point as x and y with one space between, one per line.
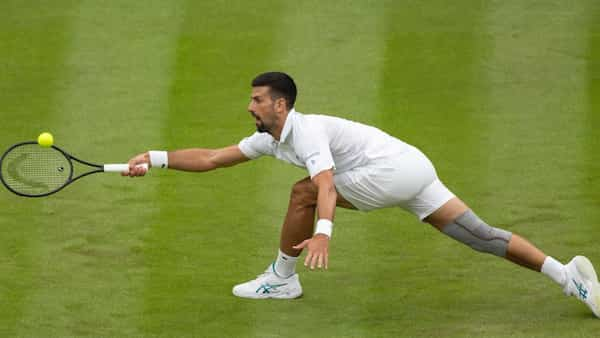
119 168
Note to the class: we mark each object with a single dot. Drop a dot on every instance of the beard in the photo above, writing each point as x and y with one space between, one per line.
260 127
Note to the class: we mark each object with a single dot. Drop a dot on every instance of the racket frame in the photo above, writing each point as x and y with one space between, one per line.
70 158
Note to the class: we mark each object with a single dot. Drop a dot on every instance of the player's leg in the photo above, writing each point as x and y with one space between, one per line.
280 279
577 278
434 203
300 216
438 206
299 223
512 247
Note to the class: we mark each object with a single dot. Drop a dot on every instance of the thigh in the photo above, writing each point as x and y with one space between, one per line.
344 203
432 198
446 213
307 188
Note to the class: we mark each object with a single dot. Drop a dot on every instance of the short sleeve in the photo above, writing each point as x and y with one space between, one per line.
312 146
257 145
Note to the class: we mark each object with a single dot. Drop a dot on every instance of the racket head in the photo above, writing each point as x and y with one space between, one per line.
30 170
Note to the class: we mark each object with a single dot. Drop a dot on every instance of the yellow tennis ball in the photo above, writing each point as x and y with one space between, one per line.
46 140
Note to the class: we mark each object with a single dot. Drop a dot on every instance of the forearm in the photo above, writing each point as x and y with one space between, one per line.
326 200
195 159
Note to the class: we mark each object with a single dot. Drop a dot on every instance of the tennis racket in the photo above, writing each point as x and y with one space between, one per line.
30 170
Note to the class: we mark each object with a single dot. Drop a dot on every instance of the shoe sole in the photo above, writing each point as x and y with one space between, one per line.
270 296
586 269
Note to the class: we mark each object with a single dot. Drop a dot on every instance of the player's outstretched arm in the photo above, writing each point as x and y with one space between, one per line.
195 159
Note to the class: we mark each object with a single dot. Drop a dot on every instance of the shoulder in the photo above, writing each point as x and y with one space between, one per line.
260 137
309 133
321 122
305 125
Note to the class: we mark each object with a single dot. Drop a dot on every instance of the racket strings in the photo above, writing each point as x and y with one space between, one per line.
34 170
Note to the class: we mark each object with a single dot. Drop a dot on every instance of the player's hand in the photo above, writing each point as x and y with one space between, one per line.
318 251
134 169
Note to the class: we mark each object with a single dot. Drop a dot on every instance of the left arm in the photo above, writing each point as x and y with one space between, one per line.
327 194
318 245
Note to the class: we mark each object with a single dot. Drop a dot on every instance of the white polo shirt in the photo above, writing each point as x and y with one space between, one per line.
320 142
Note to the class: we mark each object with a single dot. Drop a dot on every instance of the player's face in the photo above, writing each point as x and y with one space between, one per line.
264 109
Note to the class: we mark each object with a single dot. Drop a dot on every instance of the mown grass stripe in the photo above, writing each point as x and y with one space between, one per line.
334 52
90 236
33 45
430 97
211 225
536 116
590 183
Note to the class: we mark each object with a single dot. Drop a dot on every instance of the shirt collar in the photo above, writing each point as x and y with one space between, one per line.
287 126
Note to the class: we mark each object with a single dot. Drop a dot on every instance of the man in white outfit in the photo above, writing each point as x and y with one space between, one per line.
355 166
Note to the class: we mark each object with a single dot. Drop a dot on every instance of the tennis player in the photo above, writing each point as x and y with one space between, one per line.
354 166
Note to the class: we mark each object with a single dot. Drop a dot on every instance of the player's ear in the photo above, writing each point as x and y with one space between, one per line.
281 104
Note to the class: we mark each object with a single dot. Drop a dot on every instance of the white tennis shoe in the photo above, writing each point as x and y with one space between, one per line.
270 285
582 282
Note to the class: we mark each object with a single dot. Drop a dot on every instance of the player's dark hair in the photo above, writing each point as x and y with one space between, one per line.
281 85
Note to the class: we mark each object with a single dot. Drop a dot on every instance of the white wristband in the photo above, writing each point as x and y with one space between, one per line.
159 159
324 226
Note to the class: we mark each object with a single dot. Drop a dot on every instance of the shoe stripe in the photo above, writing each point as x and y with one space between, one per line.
583 292
267 288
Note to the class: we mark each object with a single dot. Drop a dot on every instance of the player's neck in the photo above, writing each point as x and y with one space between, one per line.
276 133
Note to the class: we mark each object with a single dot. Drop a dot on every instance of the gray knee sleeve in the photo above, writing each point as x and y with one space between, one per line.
471 230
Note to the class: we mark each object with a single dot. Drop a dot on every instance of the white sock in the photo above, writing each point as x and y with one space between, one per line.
285 265
555 270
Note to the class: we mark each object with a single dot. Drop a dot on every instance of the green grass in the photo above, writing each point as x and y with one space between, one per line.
503 96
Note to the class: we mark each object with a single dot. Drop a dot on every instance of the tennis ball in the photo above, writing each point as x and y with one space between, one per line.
46 140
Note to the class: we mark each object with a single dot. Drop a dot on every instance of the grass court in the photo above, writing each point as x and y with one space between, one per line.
503 96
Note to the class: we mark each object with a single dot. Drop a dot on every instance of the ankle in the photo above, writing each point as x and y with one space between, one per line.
555 270
285 265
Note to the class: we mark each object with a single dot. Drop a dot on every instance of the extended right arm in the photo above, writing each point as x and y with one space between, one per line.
199 159
195 159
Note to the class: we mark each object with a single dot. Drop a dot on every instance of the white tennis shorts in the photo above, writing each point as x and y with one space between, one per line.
407 180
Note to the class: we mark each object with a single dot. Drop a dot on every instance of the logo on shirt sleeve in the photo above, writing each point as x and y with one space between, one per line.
310 157
313 155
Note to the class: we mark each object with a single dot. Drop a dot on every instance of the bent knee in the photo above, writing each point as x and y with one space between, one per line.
304 192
